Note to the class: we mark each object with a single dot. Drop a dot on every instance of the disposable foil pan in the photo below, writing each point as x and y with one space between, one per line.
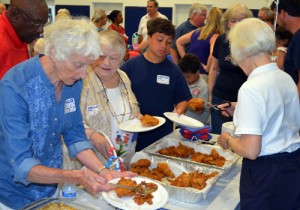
231 157
185 194
46 201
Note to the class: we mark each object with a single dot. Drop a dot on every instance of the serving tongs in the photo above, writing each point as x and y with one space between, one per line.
142 190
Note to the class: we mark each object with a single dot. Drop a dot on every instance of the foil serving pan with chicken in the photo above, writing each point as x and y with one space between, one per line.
191 152
184 181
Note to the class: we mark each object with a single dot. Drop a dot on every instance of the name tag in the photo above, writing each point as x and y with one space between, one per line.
93 109
70 105
162 79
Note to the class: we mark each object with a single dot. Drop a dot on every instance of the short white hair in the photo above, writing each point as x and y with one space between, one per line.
113 39
72 36
196 8
251 37
99 13
39 46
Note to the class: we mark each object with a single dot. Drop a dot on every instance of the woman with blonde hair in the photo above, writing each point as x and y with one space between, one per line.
224 78
202 40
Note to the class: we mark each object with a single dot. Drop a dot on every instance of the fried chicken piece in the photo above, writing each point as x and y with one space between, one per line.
139 170
196 104
182 180
167 151
165 169
142 163
194 179
153 174
179 151
211 174
141 199
121 192
198 183
214 158
148 120
183 151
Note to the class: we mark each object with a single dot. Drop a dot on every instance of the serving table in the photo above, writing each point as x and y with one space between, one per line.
224 194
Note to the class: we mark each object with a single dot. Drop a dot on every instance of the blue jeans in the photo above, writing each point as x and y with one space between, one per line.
217 119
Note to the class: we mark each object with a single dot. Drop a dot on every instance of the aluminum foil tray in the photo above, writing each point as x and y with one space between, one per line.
171 140
39 204
185 194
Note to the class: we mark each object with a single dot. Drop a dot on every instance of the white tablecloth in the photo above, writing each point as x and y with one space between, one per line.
224 195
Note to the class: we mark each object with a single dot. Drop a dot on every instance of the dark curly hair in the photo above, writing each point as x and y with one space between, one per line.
161 26
282 34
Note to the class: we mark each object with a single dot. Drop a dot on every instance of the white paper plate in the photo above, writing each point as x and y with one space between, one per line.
135 125
183 120
160 197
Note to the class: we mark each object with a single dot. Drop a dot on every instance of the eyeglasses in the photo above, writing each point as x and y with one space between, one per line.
34 23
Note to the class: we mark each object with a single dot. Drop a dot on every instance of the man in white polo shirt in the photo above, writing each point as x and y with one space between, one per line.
152 12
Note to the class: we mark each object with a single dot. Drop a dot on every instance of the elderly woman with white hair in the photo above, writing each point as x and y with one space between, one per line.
39 103
107 100
267 121
100 19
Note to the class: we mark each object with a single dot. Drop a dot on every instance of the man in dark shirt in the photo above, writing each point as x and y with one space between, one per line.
289 19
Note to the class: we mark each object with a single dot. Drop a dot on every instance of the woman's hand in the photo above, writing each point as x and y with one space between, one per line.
227 111
223 140
112 174
94 183
181 107
101 144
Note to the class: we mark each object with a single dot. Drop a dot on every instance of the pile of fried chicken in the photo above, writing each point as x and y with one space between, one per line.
141 167
139 197
193 179
182 151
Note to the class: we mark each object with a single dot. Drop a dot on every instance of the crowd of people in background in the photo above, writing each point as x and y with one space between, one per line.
65 88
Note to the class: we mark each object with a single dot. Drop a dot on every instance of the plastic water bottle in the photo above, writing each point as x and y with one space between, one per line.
135 40
69 191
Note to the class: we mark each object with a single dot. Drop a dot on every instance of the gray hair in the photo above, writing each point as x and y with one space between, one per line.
39 46
251 37
63 14
196 8
234 11
113 39
72 36
268 11
99 13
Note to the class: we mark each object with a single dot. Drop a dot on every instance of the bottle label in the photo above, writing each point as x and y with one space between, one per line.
69 195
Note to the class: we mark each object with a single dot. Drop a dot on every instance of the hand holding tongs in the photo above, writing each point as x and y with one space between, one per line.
209 105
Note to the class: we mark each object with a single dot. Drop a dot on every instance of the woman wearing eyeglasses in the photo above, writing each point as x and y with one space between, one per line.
107 100
225 79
